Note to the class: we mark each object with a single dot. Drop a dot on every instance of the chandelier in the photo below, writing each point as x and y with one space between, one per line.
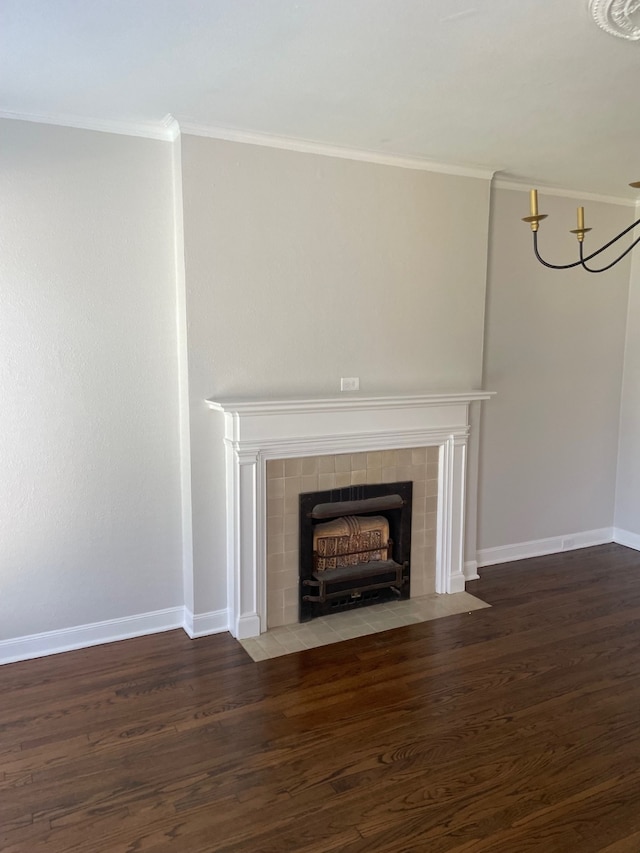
535 218
619 18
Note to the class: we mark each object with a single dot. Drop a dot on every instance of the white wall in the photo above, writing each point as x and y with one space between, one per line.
301 269
553 352
627 516
89 475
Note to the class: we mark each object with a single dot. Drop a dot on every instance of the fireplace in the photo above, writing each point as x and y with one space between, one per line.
355 547
283 433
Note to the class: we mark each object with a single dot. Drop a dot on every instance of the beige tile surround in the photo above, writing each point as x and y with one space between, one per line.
288 478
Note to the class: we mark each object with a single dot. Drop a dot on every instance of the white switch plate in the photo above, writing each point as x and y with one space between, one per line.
350 383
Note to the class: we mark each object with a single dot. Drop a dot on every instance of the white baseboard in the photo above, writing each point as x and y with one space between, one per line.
204 624
471 570
112 630
247 627
625 537
539 547
94 634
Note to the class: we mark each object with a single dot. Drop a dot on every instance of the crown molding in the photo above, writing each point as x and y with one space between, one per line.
521 186
169 128
166 130
308 146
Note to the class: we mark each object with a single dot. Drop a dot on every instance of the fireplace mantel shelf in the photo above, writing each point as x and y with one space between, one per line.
256 430
342 402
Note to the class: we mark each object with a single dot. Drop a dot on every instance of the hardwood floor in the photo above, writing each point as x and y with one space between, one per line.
510 729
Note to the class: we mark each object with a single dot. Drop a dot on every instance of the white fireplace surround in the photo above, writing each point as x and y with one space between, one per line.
256 430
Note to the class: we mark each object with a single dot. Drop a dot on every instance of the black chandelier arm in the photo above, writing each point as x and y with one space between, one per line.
612 264
553 266
612 241
583 260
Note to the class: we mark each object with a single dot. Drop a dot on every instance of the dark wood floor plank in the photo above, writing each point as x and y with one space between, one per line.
626 844
514 729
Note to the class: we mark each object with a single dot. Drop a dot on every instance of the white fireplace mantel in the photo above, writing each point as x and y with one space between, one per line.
257 430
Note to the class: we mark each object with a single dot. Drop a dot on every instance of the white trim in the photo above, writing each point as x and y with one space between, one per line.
471 570
348 402
450 514
627 382
626 538
348 443
169 128
93 634
204 624
248 626
325 149
525 185
165 130
539 547
182 357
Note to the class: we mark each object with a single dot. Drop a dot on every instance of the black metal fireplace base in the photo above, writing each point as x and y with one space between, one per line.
354 580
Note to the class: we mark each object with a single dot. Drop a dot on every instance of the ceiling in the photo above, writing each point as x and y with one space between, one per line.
530 88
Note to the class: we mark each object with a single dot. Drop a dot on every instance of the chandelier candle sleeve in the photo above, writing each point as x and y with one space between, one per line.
581 218
533 195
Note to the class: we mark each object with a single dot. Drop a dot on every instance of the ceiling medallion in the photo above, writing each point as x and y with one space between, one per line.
620 18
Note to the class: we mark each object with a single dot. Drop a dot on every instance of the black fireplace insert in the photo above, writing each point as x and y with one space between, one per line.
355 547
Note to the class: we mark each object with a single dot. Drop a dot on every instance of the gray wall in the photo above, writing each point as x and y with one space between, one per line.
301 269
554 351
89 466
298 269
